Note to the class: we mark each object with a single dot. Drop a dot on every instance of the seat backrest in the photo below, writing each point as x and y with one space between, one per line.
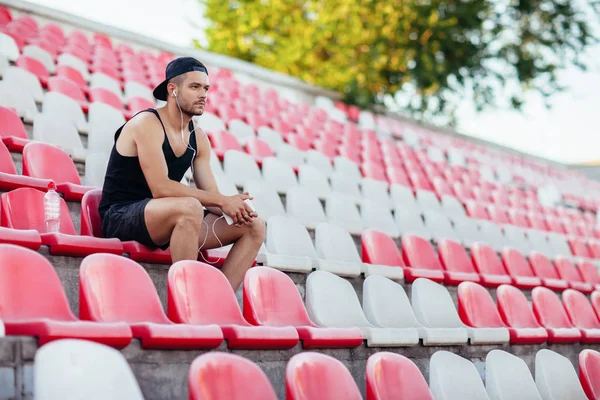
43 160
54 130
237 163
106 284
454 257
514 308
271 298
515 263
32 65
287 236
560 245
508 377
66 87
290 154
452 377
428 200
548 308
265 199
589 373
433 305
393 376
304 205
385 303
24 209
439 224
314 180
375 190
11 124
199 293
95 169
567 270
241 130
403 197
542 266
30 287
91 224
556 378
210 122
335 243
319 161
452 207
347 167
418 253
7 165
589 272
380 249
278 174
223 141
476 210
486 261
580 310
579 247
93 371
270 136
476 306
259 148
331 301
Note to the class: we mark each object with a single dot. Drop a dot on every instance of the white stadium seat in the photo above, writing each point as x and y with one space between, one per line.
41 55
103 81
103 122
271 136
4 63
59 132
559 244
26 81
289 246
452 207
377 216
320 161
556 378
410 221
240 167
136 89
278 175
435 154
227 187
313 179
403 196
467 230
210 122
341 183
538 240
428 201
516 238
75 63
452 377
95 169
507 377
347 168
492 234
304 205
290 154
18 97
63 106
439 225
336 251
266 201
342 211
8 47
377 191
241 130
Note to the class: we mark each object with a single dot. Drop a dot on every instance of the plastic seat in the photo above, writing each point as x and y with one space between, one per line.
99 80
552 315
59 132
477 309
568 272
579 247
19 99
458 267
380 255
320 161
279 175
392 376
270 136
452 377
409 222
65 107
104 121
9 179
516 238
560 245
377 216
439 225
336 251
347 168
272 299
12 130
259 149
41 55
135 89
241 130
313 375
26 81
589 373
9 47
545 270
452 207
467 229
507 377
33 303
69 367
420 259
211 376
210 122
428 201
289 245
240 167
34 66
522 324
68 88
95 169
589 273
72 61
304 205
104 278
44 161
265 199
519 269
376 191
556 378
539 241
349 186
402 197
222 141
314 180
489 266
582 315
492 235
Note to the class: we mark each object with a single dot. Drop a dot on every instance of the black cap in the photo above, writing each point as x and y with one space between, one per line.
175 68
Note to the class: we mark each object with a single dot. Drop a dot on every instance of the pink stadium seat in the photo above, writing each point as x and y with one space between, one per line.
518 218
489 266
380 249
545 270
397 176
259 149
9 179
569 273
463 193
458 267
589 273
5 16
421 260
419 181
227 376
392 376
555 225
105 96
519 269
589 373
272 299
33 303
24 209
442 187
106 285
498 215
476 210
45 161
91 225
517 315
537 222
12 130
136 105
73 75
68 88
550 312
35 67
318 376
476 307
200 294
579 247
582 315
223 141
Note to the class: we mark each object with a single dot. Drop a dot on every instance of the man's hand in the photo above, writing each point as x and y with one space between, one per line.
240 212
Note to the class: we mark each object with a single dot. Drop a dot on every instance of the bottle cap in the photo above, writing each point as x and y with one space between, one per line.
51 185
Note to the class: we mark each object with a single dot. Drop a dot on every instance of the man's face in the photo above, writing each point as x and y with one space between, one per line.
193 92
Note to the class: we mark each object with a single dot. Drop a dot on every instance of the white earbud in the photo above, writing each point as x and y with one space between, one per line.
174 93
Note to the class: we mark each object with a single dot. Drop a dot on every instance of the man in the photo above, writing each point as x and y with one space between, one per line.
142 197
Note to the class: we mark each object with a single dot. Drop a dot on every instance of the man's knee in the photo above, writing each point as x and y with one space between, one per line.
257 230
190 212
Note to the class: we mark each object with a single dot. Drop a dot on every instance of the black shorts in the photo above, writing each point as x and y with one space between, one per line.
125 221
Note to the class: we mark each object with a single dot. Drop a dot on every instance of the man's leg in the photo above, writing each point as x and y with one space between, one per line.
178 219
247 240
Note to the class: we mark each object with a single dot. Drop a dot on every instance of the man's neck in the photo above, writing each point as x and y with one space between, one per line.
173 117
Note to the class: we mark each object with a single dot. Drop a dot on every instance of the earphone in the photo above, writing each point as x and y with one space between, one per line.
192 167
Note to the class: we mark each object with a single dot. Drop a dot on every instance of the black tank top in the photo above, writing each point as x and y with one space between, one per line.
125 181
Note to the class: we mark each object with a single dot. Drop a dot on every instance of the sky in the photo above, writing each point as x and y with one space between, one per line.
566 133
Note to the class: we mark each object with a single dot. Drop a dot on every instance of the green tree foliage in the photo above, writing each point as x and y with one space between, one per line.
438 50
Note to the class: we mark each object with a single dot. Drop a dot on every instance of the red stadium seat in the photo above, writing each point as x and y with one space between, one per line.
498 215
272 299
33 303
476 307
421 260
519 269
12 130
518 218
594 247
70 73
5 16
223 141
555 225
45 161
589 273
105 96
489 266
68 88
393 376
213 300
24 209
537 222
546 271
106 285
589 373
9 179
476 210
136 105
35 67
458 267
318 376
579 247
91 225
227 376
550 312
259 149
582 315
568 272
517 315
380 249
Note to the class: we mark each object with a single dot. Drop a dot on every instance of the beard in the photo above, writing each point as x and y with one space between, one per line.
190 109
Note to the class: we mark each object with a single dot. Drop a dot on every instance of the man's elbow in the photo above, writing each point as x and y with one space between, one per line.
161 190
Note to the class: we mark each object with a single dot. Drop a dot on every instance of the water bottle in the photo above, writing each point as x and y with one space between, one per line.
52 209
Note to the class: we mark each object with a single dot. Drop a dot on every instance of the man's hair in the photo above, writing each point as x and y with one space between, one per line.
178 80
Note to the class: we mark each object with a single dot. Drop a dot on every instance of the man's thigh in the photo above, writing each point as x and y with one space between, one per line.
161 215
